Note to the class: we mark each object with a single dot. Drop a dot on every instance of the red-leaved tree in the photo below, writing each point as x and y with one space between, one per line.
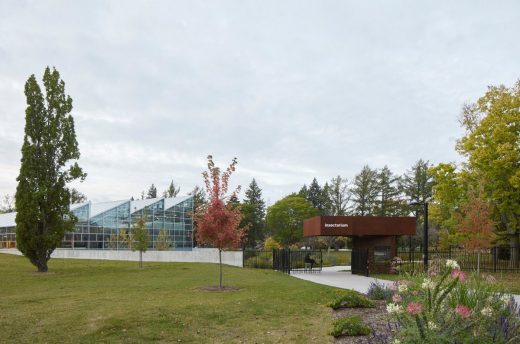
218 221
475 223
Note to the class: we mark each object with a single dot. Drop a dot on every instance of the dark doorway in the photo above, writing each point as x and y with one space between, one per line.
360 262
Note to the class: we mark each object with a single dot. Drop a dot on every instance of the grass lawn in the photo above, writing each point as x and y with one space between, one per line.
91 301
506 282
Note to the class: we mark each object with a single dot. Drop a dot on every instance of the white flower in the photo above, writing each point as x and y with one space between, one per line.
505 298
432 325
392 308
487 311
450 263
396 341
402 288
428 284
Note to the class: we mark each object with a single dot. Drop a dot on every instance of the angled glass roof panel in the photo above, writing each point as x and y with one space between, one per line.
170 202
98 208
78 205
142 203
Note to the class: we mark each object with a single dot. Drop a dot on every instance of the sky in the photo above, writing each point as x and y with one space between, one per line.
293 89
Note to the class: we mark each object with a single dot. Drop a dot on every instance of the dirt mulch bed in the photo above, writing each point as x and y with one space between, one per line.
376 318
217 289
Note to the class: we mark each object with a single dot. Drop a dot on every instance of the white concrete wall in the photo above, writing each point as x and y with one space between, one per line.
197 255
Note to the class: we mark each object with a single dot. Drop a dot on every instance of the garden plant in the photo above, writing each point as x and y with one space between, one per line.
451 307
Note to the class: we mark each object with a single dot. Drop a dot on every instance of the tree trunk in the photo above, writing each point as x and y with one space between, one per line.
141 259
220 267
40 263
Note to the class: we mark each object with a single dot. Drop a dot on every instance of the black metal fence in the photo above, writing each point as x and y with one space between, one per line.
284 260
306 261
494 259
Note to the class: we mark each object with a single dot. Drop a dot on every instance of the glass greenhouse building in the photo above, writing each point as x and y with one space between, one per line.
107 225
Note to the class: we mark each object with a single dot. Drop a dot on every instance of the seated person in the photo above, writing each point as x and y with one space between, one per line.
309 260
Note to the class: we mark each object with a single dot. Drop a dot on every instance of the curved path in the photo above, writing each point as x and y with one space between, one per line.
338 276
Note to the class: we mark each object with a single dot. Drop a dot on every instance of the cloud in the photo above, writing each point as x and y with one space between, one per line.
294 89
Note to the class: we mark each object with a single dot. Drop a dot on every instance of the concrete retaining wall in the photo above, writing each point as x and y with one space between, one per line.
197 255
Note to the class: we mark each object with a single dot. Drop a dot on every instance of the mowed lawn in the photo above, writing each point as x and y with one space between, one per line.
91 301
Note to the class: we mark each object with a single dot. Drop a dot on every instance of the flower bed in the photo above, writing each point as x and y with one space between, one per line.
448 308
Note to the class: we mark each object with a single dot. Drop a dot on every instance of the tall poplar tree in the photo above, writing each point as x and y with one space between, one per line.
77 197
253 212
49 154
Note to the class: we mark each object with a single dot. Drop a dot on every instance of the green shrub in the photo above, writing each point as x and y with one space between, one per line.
349 326
270 243
350 299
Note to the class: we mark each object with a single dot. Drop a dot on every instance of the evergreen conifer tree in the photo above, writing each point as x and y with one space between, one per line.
304 192
49 152
172 191
253 212
152 192
315 195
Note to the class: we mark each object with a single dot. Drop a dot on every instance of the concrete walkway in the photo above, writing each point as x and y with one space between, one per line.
337 276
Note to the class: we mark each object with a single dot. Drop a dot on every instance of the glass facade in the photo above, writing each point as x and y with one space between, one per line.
7 237
168 221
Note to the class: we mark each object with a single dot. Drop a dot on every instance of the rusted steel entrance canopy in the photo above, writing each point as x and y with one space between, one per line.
358 226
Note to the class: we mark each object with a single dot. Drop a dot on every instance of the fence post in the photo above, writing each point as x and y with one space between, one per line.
368 263
290 262
410 256
494 252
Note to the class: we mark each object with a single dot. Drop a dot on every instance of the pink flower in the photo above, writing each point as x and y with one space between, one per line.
414 308
463 311
458 273
394 286
397 298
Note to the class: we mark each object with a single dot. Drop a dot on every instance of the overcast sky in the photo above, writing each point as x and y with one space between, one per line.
293 89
